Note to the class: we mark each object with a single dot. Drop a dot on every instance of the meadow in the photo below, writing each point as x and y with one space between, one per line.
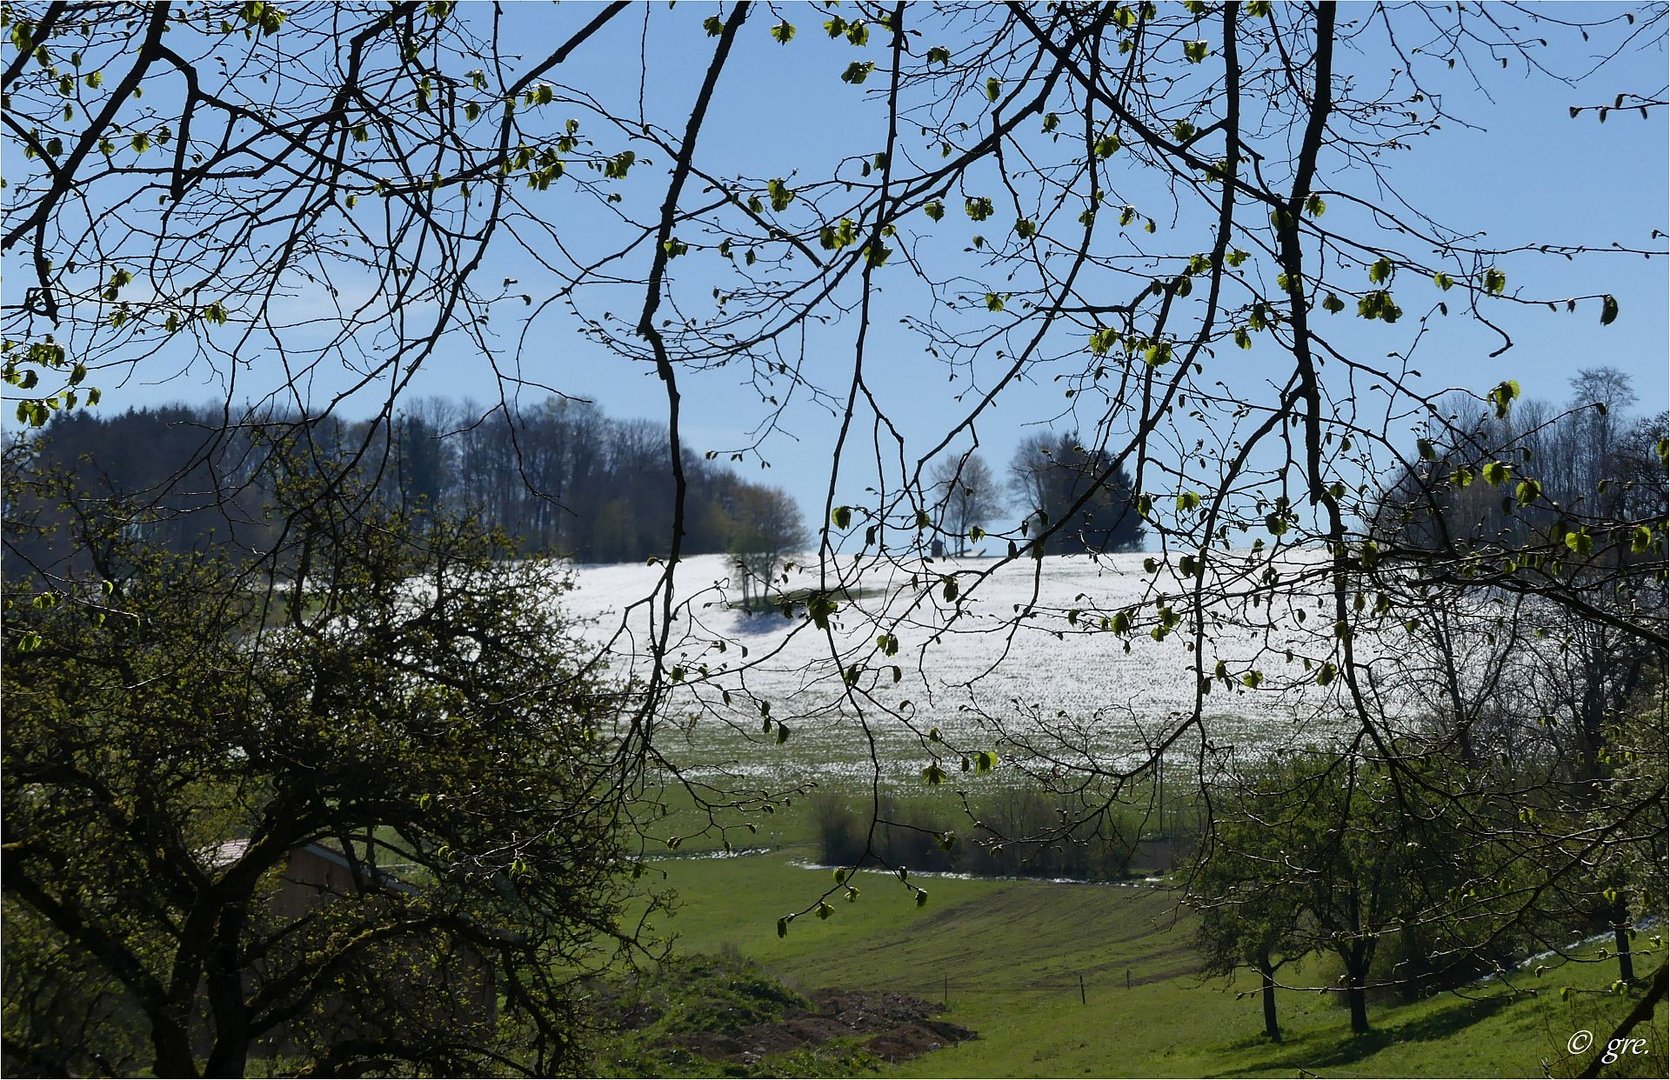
1101 980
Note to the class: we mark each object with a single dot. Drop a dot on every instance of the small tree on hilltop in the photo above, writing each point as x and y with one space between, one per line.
766 526
968 495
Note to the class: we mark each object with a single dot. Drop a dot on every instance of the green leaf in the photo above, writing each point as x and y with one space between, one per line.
1314 206
857 72
1495 282
842 517
1496 473
1425 449
1580 542
1608 309
978 209
1502 396
713 26
935 209
994 88
939 54
1107 146
1443 280
1333 304
994 302
1195 51
819 608
934 775
1378 305
1381 271
782 734
782 33
779 193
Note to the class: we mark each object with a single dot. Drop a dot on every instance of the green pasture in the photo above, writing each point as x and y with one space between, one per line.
1100 980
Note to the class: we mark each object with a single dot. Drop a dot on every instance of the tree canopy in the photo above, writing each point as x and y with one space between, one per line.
406 707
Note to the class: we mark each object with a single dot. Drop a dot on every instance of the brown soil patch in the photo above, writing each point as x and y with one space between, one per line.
900 1026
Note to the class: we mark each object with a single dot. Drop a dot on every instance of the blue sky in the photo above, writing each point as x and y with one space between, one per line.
1525 173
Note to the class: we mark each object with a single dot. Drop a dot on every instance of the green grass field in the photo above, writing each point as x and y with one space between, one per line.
1008 957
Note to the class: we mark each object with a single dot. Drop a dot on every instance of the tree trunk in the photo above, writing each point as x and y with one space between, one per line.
230 1054
1620 937
171 1048
1268 971
1356 967
1358 997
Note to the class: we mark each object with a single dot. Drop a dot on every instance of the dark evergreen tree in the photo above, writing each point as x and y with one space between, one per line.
1079 499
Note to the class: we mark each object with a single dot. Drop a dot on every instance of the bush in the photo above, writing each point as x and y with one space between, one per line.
926 834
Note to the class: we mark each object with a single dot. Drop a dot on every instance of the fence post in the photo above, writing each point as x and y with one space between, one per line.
1083 1000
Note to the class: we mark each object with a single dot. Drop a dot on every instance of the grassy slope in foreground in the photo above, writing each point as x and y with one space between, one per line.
1009 954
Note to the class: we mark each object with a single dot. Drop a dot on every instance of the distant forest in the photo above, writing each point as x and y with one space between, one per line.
561 478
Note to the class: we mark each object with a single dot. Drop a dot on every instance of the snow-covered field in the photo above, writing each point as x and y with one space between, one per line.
1026 663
